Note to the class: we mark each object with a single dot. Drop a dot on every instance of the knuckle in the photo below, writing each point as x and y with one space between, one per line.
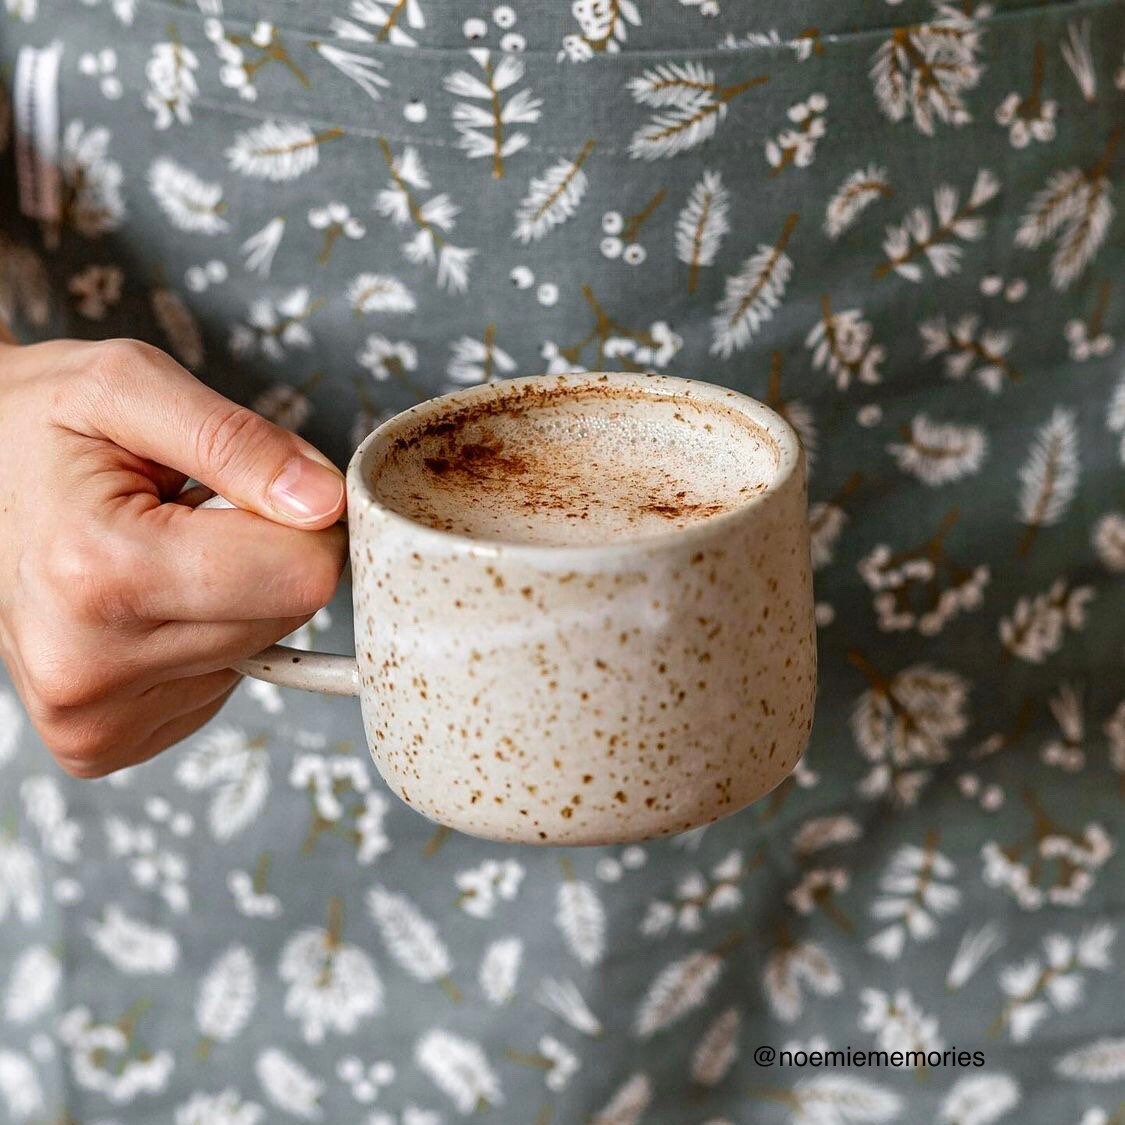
111 359
93 578
59 681
227 435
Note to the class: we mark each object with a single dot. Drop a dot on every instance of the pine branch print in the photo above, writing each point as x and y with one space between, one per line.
1079 56
363 70
289 1085
226 998
603 28
938 453
701 225
391 17
835 1099
920 236
374 292
433 219
190 203
499 970
692 104
460 1069
753 294
552 197
1049 476
842 343
1100 1061
970 349
980 1099
1075 205
717 1050
581 918
680 988
278 151
563 999
628 1105
412 939
853 197
924 70
485 130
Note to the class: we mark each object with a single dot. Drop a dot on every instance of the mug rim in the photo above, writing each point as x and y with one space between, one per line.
790 459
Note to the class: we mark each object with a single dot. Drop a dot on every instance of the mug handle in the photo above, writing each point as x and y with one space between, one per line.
329 673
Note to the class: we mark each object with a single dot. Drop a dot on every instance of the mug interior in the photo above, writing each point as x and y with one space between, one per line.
575 460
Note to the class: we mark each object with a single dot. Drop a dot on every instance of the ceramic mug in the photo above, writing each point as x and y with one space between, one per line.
578 694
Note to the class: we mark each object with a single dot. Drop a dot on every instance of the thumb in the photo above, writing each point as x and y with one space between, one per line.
144 401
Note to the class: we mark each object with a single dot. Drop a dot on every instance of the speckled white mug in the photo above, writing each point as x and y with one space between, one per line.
579 694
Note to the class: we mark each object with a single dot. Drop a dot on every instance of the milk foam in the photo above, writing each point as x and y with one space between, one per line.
577 467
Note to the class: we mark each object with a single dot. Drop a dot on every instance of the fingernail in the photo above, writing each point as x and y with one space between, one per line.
306 490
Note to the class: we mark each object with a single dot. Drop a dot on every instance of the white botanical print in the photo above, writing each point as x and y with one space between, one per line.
904 723
980 1099
132 946
680 987
103 67
1115 415
797 146
970 350
1038 625
1100 1061
460 1069
1049 476
697 895
384 358
499 970
753 294
898 1022
288 1085
380 293
343 803
412 939
336 221
924 70
1109 541
19 1086
1049 865
1074 209
21 881
224 1108
1079 56
580 916
603 27
916 890
1032 117
333 986
236 767
484 887
366 72
922 588
190 203
1087 339
690 105
226 997
251 899
278 150
1066 751
832 1098
33 983
853 197
259 249
45 808
933 238
976 947
243 55
93 204
486 129
794 966
563 998
11 725
172 85
702 225
478 361
106 1057
433 219
939 453
1037 986
628 1104
275 326
552 197
394 21
841 343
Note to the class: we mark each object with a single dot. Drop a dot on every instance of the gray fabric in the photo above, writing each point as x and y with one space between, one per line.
943 872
